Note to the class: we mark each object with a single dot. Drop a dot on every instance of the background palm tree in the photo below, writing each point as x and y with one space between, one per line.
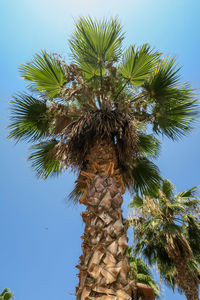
163 231
91 116
6 294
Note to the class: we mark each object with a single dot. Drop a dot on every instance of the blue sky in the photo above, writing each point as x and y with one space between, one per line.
39 230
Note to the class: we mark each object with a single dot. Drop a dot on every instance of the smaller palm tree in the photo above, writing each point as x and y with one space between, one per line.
167 232
141 272
6 294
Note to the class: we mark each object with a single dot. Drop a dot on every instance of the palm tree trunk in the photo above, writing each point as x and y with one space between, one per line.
104 266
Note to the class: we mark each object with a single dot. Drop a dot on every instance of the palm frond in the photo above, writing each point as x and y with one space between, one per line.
145 175
30 119
45 73
43 161
149 145
175 118
95 43
6 294
168 274
187 194
167 188
171 228
137 202
137 63
194 266
163 80
175 107
141 272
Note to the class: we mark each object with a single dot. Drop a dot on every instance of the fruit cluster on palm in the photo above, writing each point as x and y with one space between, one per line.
92 116
167 232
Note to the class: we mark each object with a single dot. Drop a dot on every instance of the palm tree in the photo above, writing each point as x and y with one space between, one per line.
140 271
167 231
6 294
91 116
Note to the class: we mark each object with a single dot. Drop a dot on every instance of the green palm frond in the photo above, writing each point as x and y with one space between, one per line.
149 145
6 294
43 161
168 274
148 280
137 202
29 119
175 118
167 188
137 63
142 267
187 194
145 175
174 106
95 43
194 266
45 73
172 228
154 252
163 80
141 272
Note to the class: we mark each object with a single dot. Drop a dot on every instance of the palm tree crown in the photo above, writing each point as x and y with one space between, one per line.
104 93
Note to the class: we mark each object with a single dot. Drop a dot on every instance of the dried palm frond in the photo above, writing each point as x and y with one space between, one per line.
79 135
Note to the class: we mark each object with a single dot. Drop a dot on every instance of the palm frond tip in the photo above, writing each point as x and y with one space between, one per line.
29 119
43 161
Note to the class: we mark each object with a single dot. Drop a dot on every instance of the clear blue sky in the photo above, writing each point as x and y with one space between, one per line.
37 263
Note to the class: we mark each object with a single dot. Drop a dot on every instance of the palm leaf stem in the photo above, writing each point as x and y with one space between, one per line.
123 87
101 82
139 96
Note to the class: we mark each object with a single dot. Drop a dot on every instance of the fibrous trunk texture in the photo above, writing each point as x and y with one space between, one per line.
185 279
104 266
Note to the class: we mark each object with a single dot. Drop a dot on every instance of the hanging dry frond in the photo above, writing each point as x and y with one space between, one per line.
79 135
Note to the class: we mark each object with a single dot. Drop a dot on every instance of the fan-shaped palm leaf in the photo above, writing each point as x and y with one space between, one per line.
174 105
45 73
149 145
163 80
137 63
43 161
95 43
145 175
174 118
30 119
